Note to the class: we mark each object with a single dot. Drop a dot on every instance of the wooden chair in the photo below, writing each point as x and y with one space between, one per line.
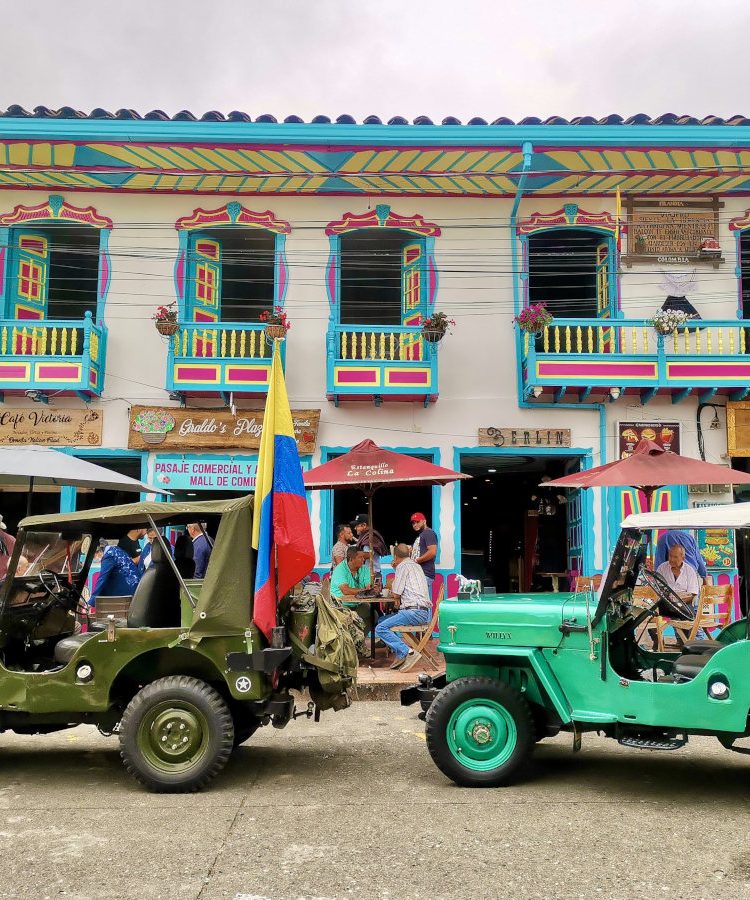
587 583
418 636
714 610
643 597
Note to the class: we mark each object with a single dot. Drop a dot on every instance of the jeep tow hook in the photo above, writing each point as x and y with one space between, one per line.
308 712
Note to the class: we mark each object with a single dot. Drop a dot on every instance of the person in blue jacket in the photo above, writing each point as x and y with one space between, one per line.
202 547
118 576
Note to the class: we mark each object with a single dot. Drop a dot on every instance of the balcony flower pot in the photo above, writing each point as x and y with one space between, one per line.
534 319
165 319
667 321
435 327
277 324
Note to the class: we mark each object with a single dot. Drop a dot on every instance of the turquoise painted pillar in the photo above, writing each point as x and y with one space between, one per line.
67 499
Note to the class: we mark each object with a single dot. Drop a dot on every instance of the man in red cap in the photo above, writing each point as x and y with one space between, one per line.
425 547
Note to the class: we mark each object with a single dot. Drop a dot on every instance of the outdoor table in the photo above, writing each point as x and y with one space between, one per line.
372 602
555 576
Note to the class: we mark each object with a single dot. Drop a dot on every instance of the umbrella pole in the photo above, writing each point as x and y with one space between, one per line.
372 537
29 496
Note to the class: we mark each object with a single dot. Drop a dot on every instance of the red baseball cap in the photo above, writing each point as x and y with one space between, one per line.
418 517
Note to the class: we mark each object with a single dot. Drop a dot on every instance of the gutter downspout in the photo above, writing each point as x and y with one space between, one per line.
600 408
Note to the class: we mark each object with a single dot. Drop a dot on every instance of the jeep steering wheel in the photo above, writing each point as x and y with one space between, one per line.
667 599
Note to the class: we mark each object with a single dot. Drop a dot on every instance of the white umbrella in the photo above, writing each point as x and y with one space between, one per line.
43 465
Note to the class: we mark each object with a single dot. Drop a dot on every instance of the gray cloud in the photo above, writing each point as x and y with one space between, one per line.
389 57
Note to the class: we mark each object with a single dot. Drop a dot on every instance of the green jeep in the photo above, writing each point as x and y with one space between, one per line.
520 668
184 676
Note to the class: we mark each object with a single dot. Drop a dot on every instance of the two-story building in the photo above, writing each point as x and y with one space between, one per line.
359 231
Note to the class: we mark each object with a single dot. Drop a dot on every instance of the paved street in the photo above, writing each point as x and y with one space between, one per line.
354 808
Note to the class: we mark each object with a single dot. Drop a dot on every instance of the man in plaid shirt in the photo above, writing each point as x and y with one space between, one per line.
414 607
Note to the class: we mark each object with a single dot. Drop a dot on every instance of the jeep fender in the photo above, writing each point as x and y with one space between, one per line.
464 660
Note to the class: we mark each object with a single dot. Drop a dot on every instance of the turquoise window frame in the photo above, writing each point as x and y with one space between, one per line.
586 456
326 500
68 494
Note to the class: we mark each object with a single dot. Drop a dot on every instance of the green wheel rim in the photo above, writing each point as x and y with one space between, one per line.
173 736
482 735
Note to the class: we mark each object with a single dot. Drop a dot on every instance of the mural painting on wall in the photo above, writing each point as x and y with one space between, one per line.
665 434
672 231
51 427
205 429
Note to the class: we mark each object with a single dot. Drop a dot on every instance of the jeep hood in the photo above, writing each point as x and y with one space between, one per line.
521 620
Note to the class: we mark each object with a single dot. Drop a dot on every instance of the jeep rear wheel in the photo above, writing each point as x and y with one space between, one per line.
176 734
479 732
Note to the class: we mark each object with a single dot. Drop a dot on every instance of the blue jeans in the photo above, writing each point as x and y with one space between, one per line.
391 639
430 582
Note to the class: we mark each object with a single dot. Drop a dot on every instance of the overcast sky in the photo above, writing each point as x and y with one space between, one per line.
388 57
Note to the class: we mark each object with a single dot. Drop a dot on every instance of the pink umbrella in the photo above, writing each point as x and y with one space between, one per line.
651 467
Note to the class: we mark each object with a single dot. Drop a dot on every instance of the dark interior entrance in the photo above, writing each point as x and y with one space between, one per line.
511 529
371 271
562 272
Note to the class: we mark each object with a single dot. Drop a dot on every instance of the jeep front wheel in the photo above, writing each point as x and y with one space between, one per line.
479 732
176 734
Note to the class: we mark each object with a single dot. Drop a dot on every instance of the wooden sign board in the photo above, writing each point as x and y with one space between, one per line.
172 428
738 429
670 231
40 424
524 437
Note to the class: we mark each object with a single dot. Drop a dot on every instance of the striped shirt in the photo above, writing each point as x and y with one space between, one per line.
411 585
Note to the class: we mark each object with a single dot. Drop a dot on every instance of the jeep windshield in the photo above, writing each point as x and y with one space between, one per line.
52 551
627 560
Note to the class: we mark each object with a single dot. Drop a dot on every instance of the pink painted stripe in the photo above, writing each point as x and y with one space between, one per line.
585 370
408 378
186 373
256 376
687 370
11 371
357 375
52 370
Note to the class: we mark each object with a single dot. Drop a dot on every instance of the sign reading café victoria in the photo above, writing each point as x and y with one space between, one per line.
178 429
51 427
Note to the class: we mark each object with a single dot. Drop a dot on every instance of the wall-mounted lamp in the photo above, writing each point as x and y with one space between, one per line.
715 423
537 391
614 393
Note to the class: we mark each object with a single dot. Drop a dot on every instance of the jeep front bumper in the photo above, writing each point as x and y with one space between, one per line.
424 691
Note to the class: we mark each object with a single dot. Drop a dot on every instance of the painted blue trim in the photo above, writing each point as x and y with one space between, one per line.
584 453
102 291
69 495
279 259
375 135
4 272
326 500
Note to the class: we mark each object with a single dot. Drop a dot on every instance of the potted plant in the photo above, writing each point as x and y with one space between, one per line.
277 323
435 326
153 425
165 318
534 319
667 321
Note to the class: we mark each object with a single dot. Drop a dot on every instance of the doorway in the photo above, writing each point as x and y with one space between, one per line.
516 535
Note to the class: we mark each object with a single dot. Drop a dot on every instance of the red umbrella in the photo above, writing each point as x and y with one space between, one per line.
369 467
651 467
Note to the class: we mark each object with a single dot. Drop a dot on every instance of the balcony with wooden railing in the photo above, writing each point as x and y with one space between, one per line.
219 359
593 358
61 356
381 362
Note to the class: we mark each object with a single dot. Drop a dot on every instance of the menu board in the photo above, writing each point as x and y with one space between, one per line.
669 231
665 434
716 546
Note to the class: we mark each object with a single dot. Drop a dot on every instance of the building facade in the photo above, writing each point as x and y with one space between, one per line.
359 231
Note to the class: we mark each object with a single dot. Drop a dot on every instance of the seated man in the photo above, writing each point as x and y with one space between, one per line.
118 576
414 607
682 578
349 577
692 554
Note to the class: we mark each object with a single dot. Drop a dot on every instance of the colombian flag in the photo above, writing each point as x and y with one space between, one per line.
282 535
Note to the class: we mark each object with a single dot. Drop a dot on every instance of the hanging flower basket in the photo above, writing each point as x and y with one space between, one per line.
165 319
534 319
277 324
435 327
667 321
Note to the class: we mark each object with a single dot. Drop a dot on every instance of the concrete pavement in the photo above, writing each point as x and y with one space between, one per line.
354 808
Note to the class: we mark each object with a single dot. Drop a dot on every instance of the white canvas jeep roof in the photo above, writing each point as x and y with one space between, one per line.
727 515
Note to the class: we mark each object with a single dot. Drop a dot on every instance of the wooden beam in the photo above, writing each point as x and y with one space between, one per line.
707 396
648 395
585 393
737 396
560 393
679 396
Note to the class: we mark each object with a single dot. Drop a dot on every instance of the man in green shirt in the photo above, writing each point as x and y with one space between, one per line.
350 576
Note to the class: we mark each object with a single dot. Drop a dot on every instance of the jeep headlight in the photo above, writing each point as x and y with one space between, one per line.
84 672
718 690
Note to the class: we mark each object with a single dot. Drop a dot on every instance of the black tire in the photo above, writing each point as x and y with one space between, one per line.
245 726
162 717
486 722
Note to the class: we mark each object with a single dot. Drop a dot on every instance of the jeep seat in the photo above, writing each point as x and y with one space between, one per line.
67 648
707 645
156 601
691 664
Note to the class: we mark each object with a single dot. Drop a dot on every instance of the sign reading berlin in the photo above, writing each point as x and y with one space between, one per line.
51 427
175 428
524 437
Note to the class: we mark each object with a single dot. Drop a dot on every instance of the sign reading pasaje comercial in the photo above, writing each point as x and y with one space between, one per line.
172 428
524 437
51 427
213 472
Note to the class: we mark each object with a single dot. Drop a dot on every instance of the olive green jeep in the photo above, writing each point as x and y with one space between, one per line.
184 676
520 668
